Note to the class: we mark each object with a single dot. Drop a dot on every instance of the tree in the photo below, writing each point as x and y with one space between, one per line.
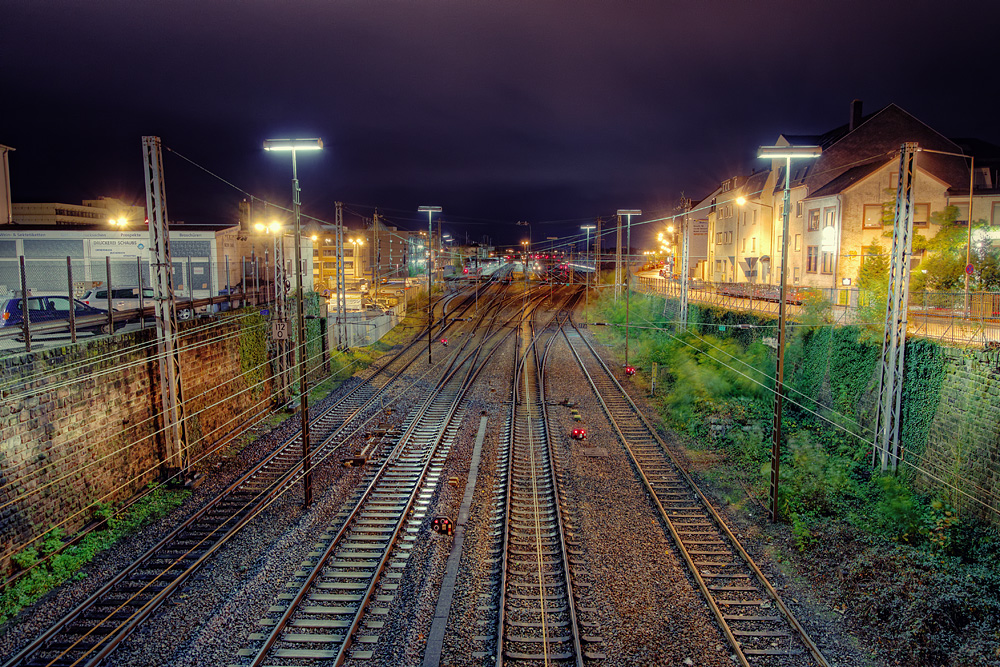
873 287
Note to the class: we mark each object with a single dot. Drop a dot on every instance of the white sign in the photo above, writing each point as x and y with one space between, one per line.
279 330
118 247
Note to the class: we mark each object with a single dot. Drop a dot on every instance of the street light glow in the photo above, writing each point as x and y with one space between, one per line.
293 144
788 152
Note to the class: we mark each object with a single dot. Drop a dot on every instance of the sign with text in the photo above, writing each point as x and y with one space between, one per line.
279 330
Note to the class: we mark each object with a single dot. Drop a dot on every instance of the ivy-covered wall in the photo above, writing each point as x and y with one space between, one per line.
950 413
963 444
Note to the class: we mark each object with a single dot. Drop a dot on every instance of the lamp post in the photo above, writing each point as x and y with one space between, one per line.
628 213
586 293
430 210
788 153
294 145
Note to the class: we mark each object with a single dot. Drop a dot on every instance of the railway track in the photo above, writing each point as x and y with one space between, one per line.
345 588
89 633
540 579
749 611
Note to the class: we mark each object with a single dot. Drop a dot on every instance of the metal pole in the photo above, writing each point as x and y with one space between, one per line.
107 271
142 302
72 301
300 347
968 246
430 282
25 322
780 374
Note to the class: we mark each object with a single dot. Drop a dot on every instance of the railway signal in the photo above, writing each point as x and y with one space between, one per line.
630 371
442 524
579 434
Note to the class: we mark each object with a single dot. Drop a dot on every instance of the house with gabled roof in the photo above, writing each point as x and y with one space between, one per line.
840 202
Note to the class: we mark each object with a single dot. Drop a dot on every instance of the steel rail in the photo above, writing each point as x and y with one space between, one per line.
668 457
452 397
110 640
528 414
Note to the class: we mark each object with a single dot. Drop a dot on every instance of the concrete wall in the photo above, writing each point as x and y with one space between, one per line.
365 328
81 424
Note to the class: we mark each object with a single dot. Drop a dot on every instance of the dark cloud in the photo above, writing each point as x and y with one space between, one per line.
497 110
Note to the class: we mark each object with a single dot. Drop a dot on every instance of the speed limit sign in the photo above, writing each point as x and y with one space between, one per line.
279 330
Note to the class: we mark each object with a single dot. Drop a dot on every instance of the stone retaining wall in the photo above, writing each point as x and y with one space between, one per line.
80 425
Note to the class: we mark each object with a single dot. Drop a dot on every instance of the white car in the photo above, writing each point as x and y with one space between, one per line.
122 298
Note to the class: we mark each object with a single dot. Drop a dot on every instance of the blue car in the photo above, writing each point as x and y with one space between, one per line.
44 309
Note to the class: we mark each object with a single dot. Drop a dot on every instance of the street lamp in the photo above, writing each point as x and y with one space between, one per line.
294 145
628 213
430 210
788 153
586 293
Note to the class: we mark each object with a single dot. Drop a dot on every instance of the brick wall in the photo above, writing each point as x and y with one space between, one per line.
80 425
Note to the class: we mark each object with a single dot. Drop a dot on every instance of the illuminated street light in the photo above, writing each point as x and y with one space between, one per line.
787 153
294 145
430 210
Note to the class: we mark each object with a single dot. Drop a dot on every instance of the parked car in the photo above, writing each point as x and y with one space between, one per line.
122 298
42 309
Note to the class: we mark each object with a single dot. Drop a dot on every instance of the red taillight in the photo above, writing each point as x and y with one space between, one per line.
6 315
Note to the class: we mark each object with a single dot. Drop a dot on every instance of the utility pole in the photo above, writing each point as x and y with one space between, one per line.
628 213
618 258
376 268
887 419
686 236
341 279
168 344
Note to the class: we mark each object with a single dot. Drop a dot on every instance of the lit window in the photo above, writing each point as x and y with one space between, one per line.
812 258
830 216
827 262
873 216
813 219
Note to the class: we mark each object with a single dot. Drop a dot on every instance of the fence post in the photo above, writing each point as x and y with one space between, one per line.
107 270
72 301
25 325
142 302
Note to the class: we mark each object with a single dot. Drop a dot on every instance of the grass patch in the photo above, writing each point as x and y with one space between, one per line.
50 564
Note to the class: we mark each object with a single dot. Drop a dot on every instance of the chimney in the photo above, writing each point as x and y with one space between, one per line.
855 115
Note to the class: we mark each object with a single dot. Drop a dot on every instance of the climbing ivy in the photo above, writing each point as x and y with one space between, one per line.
923 376
253 351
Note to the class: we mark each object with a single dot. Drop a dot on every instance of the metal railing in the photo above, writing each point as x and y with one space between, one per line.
118 292
953 317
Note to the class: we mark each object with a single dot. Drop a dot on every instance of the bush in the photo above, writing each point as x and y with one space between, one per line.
57 566
927 610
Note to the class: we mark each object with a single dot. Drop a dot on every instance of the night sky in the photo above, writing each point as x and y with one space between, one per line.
553 112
